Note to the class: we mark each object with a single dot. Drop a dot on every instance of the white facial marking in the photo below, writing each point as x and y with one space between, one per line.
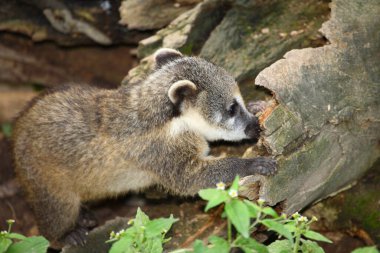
192 120
218 117
231 122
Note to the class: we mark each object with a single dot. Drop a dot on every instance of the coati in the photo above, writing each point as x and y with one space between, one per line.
83 143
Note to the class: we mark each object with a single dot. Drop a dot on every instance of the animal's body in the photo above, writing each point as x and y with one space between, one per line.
80 143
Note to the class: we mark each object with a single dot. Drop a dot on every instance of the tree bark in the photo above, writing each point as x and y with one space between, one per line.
325 130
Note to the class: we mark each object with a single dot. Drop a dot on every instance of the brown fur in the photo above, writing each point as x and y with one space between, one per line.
81 143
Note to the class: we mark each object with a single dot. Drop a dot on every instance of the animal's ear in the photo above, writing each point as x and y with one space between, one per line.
165 55
180 90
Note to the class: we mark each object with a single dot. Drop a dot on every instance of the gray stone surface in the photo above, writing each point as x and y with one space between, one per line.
150 14
66 23
187 32
254 34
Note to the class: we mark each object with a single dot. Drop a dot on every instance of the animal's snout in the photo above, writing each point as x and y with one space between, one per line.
253 130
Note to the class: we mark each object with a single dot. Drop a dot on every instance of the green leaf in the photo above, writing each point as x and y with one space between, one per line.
124 245
316 236
270 211
158 226
253 209
152 245
235 184
214 196
199 247
182 251
280 246
208 194
311 247
290 227
238 213
278 227
34 244
249 245
371 249
141 218
218 245
16 236
4 244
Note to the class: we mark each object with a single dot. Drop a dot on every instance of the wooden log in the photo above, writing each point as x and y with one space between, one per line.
325 130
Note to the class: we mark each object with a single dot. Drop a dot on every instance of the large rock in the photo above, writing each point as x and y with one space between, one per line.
67 23
187 32
150 14
254 34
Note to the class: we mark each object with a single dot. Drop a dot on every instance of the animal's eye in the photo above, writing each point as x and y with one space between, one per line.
233 109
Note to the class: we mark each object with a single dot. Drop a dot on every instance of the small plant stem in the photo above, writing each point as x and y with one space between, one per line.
229 231
257 221
296 244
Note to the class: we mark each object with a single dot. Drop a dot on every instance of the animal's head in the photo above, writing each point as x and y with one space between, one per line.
207 98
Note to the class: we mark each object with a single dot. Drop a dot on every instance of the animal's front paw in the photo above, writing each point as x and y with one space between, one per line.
264 165
87 219
76 237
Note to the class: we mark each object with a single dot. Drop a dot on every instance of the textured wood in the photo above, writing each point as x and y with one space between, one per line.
325 131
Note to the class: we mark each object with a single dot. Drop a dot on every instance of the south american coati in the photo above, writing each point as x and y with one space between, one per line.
85 143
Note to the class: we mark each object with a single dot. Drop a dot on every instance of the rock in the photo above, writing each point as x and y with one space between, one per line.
187 32
247 40
150 14
67 23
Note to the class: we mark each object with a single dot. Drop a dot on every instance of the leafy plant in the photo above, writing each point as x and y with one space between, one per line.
144 235
17 243
296 235
371 249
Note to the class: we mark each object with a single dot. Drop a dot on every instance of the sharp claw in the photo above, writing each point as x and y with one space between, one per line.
77 237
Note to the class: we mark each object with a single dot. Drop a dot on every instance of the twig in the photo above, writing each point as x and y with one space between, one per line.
209 223
14 217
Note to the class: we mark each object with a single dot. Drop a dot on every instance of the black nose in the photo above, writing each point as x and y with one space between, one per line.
253 128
